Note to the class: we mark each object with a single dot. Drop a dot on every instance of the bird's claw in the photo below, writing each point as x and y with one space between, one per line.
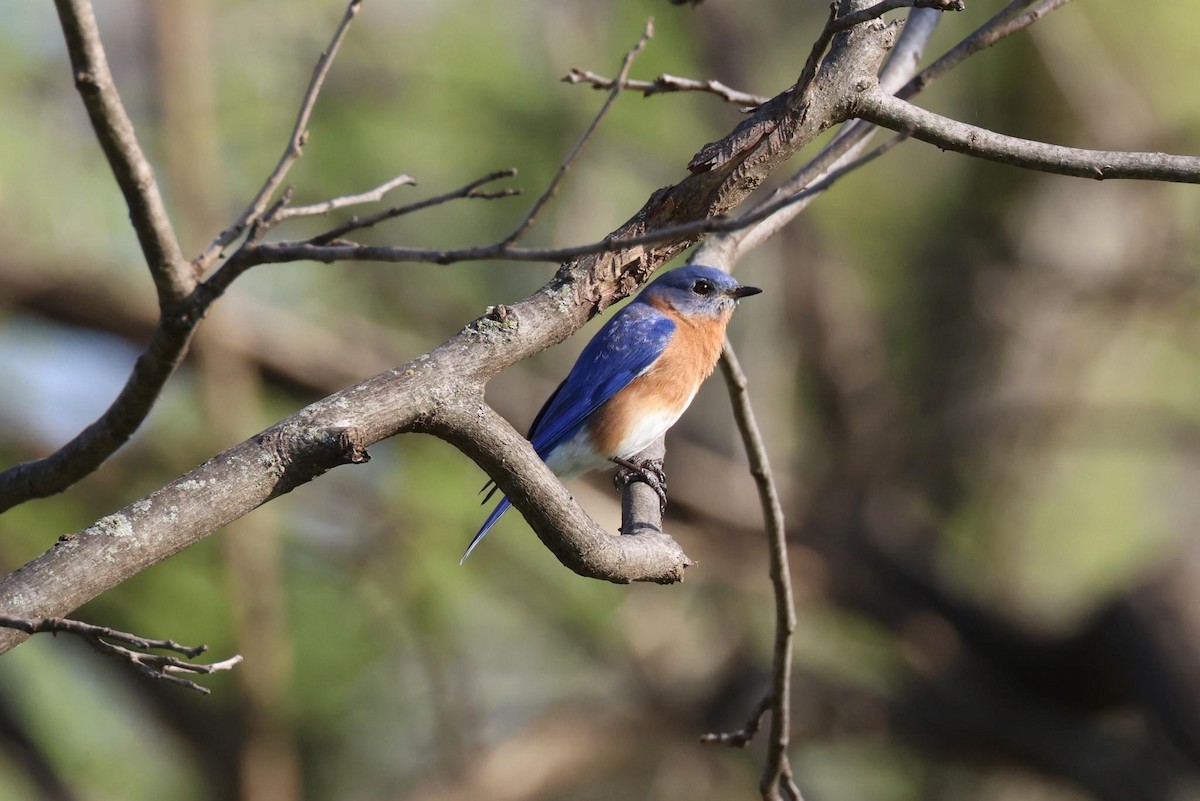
649 472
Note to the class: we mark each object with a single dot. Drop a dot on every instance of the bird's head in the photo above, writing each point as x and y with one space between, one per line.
696 290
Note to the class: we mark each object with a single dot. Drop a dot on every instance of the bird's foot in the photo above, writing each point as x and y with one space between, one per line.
649 472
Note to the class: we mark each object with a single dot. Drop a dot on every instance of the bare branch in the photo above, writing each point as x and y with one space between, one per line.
665 84
293 151
552 189
745 735
785 609
371 196
114 130
891 112
869 43
129 648
343 250
787 783
725 250
852 139
839 24
646 240
470 190
640 553
641 506
440 392
835 159
89 449
182 301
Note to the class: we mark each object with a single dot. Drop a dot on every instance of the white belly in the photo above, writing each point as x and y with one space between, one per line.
577 455
648 428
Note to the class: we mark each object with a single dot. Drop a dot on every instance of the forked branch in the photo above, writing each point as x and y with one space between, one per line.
291 153
131 649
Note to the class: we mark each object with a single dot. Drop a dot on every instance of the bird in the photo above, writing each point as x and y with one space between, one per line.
634 379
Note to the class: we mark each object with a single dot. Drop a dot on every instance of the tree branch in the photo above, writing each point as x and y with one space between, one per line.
114 130
182 302
776 769
440 392
129 648
470 190
842 22
836 159
552 188
882 109
745 735
644 242
39 478
725 250
641 553
370 196
897 76
293 151
800 101
665 84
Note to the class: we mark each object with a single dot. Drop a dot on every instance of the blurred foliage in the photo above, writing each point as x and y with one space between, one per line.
1034 336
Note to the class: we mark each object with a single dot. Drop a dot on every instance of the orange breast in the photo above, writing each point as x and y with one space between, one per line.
652 402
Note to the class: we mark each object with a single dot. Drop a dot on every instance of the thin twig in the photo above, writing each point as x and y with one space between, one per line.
293 151
114 130
370 196
745 735
343 250
56 625
552 189
665 84
470 190
785 611
130 648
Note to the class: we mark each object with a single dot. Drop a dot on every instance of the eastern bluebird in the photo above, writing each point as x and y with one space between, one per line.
635 377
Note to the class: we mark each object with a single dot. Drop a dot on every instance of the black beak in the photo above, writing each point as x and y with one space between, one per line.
744 292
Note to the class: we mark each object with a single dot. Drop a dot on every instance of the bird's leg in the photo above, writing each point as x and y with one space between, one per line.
649 472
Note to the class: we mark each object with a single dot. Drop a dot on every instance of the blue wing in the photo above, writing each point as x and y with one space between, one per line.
622 349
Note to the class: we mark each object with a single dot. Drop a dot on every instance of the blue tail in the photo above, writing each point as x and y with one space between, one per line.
500 509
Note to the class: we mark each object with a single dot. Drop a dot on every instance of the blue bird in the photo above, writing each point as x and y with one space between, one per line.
635 377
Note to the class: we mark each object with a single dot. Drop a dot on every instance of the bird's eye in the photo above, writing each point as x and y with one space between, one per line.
703 287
